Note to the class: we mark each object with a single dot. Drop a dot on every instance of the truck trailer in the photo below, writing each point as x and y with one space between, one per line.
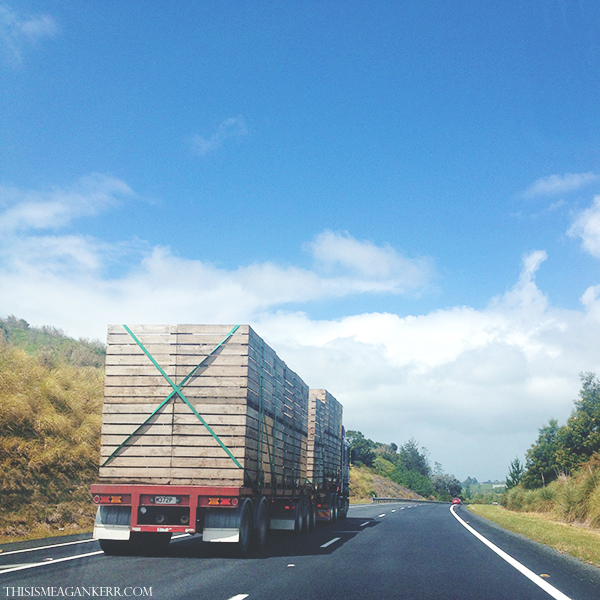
206 431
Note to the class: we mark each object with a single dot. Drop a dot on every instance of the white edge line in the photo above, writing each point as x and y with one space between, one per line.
37 548
49 562
549 589
333 541
365 523
239 597
46 547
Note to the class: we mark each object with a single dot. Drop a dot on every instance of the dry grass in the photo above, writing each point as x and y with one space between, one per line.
50 419
580 542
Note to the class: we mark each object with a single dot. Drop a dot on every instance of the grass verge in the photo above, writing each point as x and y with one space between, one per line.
582 543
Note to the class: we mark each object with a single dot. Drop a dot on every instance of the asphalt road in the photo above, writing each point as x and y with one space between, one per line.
400 551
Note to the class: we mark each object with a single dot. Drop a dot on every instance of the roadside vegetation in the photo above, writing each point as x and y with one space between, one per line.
366 483
407 466
553 496
560 477
579 542
50 418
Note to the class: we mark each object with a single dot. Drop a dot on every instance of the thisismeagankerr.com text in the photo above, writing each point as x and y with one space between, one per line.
77 591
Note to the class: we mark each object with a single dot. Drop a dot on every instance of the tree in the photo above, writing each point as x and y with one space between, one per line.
361 448
579 439
413 460
515 474
446 486
413 481
541 466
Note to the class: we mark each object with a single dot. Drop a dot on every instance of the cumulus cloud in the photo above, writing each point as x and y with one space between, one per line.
19 32
340 252
472 385
234 127
587 227
24 210
559 184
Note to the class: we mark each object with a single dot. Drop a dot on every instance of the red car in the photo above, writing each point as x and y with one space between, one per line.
456 501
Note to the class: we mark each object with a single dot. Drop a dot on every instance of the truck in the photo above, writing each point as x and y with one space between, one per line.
206 431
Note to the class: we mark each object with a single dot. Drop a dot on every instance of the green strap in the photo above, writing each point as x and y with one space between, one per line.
177 392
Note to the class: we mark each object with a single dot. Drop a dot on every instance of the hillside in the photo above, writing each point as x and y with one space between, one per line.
51 345
365 484
50 405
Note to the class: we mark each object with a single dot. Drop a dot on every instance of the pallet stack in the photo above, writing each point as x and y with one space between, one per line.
255 406
324 437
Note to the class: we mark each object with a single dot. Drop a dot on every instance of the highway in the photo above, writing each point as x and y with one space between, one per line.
398 550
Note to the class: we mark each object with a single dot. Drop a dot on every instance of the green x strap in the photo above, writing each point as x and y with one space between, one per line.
177 391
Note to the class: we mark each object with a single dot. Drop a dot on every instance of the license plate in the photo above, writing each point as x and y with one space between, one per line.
165 499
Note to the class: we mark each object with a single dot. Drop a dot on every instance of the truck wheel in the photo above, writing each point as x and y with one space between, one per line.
305 514
262 526
312 515
246 526
301 515
334 508
345 505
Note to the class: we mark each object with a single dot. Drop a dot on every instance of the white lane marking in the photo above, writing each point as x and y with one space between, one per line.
46 547
239 597
549 589
49 562
333 541
394 511
383 515
365 523
175 537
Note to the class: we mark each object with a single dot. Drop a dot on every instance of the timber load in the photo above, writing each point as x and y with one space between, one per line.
207 405
324 438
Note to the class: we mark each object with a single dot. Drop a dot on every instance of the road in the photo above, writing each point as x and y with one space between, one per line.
401 551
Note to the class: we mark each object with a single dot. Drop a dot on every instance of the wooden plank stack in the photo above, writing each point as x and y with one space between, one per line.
324 437
254 404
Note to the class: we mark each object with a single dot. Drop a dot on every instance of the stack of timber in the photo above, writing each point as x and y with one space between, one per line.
324 437
245 422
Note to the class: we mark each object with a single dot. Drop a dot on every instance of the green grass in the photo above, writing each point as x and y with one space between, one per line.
582 543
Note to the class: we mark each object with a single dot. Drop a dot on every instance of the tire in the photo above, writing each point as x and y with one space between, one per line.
312 515
334 508
246 526
300 524
261 531
343 513
305 515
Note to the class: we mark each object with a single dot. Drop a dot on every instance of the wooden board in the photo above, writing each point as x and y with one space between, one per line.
324 437
248 397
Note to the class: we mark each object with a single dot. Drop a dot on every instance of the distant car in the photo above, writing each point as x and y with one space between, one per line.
456 501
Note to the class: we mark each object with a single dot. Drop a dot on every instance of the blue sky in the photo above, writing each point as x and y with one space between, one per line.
400 197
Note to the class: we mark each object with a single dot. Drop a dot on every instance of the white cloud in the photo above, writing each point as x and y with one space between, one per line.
19 32
559 184
234 127
361 259
587 227
473 385
27 210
